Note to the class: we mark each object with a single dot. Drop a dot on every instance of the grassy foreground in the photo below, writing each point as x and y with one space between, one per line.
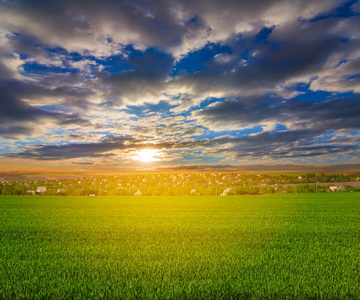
270 246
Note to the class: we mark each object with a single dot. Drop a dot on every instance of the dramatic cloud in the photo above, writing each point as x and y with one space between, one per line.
322 115
19 117
100 28
207 83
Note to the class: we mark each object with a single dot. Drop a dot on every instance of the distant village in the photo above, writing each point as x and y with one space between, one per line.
182 184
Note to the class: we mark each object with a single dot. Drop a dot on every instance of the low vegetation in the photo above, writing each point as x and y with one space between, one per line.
296 246
180 184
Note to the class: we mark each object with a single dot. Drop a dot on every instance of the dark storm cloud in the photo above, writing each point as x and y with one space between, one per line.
290 144
15 109
145 79
18 117
92 25
256 145
320 116
9 131
91 150
272 145
5 73
43 90
175 26
268 66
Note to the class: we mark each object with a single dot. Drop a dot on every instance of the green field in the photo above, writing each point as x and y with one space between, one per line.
272 246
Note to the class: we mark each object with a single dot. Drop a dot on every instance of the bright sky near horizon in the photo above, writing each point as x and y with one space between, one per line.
128 85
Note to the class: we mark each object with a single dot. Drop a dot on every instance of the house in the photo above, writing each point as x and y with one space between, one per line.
60 190
41 190
138 193
92 195
30 191
194 192
226 191
333 188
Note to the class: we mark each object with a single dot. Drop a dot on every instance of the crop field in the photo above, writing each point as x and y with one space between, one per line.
271 246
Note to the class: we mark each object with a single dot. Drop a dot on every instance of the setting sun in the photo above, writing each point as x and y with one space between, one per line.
147 155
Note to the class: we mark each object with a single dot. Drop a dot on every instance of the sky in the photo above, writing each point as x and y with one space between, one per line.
172 85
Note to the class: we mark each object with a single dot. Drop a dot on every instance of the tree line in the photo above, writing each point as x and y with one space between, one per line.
181 184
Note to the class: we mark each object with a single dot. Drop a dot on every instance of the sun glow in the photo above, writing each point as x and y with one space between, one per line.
147 155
